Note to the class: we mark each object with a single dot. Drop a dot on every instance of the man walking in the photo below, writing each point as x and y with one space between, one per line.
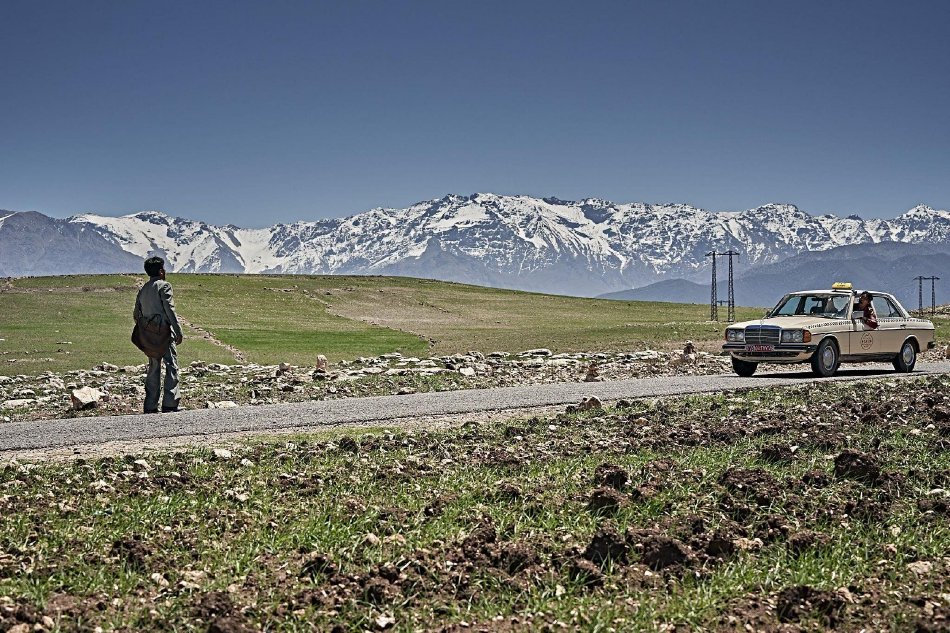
156 305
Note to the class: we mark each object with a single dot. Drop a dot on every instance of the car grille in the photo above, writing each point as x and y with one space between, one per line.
763 335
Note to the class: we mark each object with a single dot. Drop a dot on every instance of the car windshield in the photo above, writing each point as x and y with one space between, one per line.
830 306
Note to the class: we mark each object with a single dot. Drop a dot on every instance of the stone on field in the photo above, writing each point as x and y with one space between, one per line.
222 453
223 404
541 351
593 402
467 371
921 567
19 402
85 398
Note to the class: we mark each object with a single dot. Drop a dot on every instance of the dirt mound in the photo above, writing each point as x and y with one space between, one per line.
315 564
611 475
778 452
228 624
505 490
516 557
659 552
756 483
18 615
803 603
720 545
607 544
606 501
816 478
804 540
852 464
214 603
378 590
584 572
133 550
935 506
435 507
476 545
219 610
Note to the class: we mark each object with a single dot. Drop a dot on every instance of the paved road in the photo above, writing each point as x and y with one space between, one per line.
58 434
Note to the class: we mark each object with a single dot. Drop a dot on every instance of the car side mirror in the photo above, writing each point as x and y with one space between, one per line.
857 314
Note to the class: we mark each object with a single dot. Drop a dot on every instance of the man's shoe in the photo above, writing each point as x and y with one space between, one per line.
151 411
169 409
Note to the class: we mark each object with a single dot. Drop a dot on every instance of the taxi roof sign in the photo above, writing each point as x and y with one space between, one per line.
841 285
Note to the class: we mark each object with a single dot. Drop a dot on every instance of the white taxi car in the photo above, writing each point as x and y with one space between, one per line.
825 328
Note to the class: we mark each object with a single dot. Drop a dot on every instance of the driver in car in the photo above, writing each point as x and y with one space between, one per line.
864 304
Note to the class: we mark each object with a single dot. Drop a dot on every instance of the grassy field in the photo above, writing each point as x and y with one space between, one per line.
800 507
76 322
62 323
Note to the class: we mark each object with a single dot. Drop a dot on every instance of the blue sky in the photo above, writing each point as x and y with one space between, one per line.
259 112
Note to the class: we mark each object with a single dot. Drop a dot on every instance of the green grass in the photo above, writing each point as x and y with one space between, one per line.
76 323
150 548
942 324
273 319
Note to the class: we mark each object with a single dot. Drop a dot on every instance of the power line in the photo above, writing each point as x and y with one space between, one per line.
713 302
933 293
732 292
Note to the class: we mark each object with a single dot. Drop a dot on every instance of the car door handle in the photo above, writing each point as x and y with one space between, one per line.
903 326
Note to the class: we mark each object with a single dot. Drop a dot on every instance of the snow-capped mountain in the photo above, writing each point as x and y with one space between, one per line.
585 247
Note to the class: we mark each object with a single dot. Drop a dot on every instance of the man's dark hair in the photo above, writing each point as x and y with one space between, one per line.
154 265
868 295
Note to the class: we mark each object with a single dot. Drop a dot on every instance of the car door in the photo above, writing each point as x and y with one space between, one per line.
892 326
863 339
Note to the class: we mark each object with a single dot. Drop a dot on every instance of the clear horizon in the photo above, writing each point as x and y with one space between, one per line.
253 114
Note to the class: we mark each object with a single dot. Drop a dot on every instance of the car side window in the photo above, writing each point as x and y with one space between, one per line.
884 308
895 312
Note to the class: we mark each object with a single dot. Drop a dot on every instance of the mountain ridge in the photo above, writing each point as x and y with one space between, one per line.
585 247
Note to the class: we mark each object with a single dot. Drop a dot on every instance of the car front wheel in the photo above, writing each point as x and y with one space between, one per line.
905 361
826 360
743 368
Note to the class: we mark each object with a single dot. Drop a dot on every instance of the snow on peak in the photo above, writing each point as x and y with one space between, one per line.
616 245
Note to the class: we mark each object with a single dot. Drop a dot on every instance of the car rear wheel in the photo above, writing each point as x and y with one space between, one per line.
825 361
743 368
905 361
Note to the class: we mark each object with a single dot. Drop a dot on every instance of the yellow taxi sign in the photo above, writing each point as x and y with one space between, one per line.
841 285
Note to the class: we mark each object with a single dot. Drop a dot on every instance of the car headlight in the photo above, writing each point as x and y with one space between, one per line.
796 336
735 336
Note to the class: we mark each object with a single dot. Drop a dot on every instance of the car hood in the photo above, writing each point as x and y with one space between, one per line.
797 322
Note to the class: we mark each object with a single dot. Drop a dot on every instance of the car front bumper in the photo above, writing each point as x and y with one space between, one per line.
782 353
